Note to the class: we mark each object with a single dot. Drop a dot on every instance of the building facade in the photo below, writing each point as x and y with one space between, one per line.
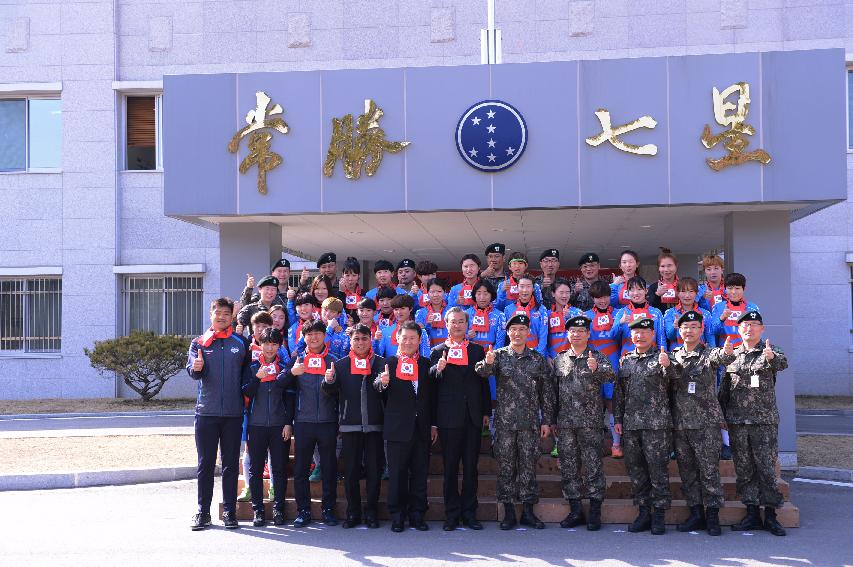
88 253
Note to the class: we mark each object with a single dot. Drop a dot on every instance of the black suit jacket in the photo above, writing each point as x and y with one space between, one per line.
407 413
461 393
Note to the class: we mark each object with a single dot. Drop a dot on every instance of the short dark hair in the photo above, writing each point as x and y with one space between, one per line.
262 317
487 285
636 281
440 282
735 279
425 267
560 281
473 257
222 302
351 264
403 300
526 276
687 283
599 288
362 329
366 303
409 326
386 293
314 326
304 298
271 335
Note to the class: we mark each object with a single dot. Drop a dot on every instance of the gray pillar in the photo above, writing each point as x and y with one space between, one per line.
246 248
758 245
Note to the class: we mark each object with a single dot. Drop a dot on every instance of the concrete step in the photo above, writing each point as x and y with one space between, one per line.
550 510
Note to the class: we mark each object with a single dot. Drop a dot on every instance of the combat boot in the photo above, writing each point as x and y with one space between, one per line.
509 520
642 522
658 521
712 518
771 524
593 524
696 520
575 517
528 518
750 522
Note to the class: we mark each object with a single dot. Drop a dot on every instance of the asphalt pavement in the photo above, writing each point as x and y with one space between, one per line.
96 421
825 422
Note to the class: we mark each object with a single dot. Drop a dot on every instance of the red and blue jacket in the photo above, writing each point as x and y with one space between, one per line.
599 334
728 328
670 319
510 296
622 334
433 323
538 339
720 296
558 336
495 323
371 293
619 295
387 346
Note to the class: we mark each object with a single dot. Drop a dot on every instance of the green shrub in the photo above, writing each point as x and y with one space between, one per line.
144 361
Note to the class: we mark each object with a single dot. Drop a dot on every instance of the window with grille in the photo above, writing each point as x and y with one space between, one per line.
166 305
30 315
142 132
30 134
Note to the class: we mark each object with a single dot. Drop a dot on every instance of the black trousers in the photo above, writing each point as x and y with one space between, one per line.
324 437
222 433
408 464
260 440
358 447
460 444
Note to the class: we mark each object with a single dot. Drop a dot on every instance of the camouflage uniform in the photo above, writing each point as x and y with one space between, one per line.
580 421
498 280
696 418
582 299
641 405
753 422
250 296
244 317
524 388
547 294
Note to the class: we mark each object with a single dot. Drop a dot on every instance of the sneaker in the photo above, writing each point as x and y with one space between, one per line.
200 521
616 452
246 495
278 518
259 520
229 520
316 475
554 452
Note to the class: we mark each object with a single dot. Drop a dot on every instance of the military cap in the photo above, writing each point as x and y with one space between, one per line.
518 319
750 316
497 247
548 253
283 263
578 321
327 258
268 281
642 323
690 316
383 265
587 258
406 263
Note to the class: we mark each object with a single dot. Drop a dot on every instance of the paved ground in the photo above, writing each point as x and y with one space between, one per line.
836 422
148 525
73 422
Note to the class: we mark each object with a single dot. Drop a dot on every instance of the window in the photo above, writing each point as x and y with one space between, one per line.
30 314
30 134
166 305
143 134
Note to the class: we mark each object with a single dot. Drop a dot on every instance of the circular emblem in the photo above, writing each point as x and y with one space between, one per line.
491 135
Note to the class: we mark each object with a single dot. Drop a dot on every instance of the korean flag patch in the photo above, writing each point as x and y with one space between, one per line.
407 368
315 362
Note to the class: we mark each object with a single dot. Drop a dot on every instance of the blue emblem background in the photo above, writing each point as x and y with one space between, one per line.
491 143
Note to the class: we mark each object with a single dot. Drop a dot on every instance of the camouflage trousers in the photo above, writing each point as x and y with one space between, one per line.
755 449
646 458
698 455
581 448
517 453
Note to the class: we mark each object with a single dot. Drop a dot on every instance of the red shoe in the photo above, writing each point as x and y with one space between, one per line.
616 451
266 470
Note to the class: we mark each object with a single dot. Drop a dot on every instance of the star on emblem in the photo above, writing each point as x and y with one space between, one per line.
491 128
491 143
473 152
475 121
490 114
491 157
510 150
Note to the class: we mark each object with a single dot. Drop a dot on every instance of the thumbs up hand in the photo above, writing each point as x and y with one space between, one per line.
660 290
250 280
663 359
262 373
303 277
619 280
198 363
291 293
728 347
768 352
377 336
625 318
298 367
490 355
725 314
591 362
442 362
385 377
708 293
330 375
472 333
578 286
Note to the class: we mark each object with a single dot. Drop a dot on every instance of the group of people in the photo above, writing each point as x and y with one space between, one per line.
675 366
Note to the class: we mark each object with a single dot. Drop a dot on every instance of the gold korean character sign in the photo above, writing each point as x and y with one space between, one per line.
610 133
260 122
733 116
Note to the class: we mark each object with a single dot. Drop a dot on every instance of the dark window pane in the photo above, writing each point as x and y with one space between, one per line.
13 135
141 133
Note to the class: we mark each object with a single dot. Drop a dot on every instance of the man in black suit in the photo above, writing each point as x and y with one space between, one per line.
409 428
463 405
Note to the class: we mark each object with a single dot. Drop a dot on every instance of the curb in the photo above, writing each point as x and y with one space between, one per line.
84 479
826 473
838 412
154 413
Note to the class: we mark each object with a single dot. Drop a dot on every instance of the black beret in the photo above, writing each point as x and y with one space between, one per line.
406 263
690 316
642 323
518 319
588 257
268 281
578 321
383 265
327 258
750 316
496 247
283 263
549 252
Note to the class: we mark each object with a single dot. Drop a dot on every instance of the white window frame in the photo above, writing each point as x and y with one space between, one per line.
141 89
848 70
27 96
125 275
25 274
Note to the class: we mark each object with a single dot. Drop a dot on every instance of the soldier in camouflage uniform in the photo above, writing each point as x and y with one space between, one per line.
281 271
496 271
642 417
524 388
697 419
269 296
589 265
549 261
748 399
579 373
